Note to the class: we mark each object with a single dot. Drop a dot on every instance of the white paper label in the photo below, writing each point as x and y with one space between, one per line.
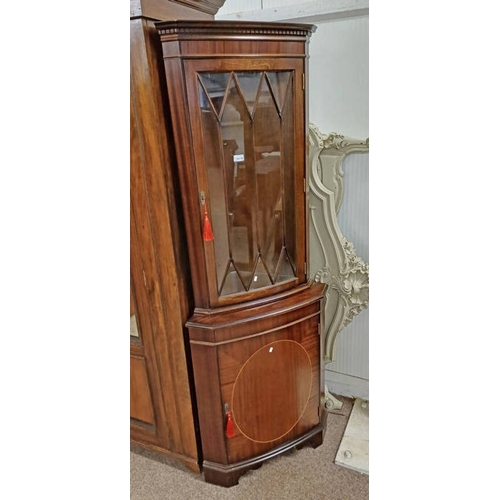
238 158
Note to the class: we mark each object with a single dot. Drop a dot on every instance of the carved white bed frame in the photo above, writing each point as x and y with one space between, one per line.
333 259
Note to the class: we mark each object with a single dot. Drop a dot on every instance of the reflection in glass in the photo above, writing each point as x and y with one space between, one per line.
215 174
247 123
279 83
215 84
248 82
236 126
268 171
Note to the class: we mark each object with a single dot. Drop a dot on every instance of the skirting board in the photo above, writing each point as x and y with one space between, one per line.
346 385
353 450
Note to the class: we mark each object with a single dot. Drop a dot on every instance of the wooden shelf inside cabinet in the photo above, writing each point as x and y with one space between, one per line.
238 106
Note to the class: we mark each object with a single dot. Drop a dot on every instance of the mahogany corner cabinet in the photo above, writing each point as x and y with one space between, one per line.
237 96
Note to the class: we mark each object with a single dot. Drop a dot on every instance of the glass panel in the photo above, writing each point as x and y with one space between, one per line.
216 195
237 129
232 283
248 82
260 277
267 138
288 169
248 133
215 84
279 82
285 271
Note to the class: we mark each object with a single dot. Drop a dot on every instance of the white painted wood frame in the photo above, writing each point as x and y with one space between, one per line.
332 258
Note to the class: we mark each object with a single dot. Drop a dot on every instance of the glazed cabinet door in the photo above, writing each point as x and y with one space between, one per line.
248 135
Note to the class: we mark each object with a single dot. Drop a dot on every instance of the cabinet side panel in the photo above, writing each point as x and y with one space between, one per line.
206 376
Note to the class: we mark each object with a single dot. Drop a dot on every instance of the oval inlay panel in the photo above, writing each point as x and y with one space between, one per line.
271 391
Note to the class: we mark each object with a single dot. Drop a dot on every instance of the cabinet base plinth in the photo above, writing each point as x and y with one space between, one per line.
229 475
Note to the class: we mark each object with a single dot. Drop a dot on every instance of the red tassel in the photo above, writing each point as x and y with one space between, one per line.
230 426
208 235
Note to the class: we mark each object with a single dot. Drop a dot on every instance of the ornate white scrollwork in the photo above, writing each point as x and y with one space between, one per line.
340 147
333 260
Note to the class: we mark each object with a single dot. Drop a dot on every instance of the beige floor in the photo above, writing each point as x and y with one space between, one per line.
306 474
